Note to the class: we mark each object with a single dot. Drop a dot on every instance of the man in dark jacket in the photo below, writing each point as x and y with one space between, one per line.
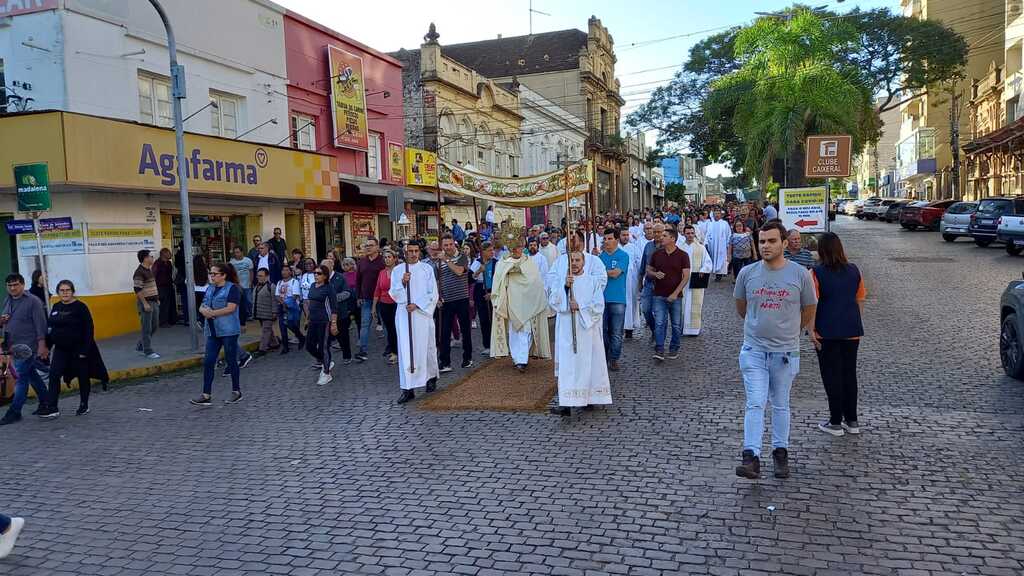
267 258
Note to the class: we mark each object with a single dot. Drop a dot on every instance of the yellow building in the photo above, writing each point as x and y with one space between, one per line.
466 117
924 151
117 181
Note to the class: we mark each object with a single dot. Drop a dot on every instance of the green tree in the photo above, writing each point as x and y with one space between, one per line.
676 193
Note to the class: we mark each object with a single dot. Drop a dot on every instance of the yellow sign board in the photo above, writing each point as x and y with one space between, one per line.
421 167
110 153
348 92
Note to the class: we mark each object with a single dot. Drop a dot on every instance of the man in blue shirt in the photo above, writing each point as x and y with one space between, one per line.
458 234
616 263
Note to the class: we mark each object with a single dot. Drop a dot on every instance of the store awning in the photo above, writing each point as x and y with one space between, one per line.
380 189
995 138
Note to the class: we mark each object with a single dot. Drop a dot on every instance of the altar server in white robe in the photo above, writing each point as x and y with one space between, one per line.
717 242
414 288
549 250
702 227
693 298
592 267
582 374
520 326
635 252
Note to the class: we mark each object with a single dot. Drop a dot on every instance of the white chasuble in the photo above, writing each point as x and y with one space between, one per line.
693 298
423 289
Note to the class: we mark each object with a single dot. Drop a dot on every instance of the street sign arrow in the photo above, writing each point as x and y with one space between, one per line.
806 223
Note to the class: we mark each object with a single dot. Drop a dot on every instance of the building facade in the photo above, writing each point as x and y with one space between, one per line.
367 173
104 65
575 70
466 117
876 163
636 181
994 156
924 148
551 137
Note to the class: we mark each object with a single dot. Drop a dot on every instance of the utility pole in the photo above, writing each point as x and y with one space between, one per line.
954 141
177 95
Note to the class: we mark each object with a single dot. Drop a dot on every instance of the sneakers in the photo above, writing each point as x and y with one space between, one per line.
324 379
467 363
563 411
153 356
392 359
47 413
82 410
10 418
659 356
780 457
245 361
361 357
431 384
486 351
851 427
7 539
346 361
236 397
829 428
521 368
317 366
445 369
750 467
672 355
407 395
202 400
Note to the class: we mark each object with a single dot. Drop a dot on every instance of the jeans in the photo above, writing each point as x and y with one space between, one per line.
387 314
455 309
27 376
149 322
365 324
663 312
614 320
62 362
213 347
5 523
647 305
767 376
838 362
289 321
485 313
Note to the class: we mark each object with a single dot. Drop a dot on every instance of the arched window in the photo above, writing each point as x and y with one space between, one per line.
467 133
447 137
500 155
484 149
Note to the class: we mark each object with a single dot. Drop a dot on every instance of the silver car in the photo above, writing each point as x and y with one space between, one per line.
956 220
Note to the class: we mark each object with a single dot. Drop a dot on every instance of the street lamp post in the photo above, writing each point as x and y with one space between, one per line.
178 94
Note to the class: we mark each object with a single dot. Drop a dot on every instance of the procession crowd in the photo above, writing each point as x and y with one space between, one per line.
604 280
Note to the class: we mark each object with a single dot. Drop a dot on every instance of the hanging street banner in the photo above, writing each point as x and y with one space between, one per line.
349 97
804 209
420 167
396 163
524 192
32 181
828 157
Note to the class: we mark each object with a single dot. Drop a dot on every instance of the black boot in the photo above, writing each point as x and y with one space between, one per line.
751 466
406 396
563 411
781 458
431 385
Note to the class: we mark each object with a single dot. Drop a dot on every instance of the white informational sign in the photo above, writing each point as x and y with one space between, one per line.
106 238
804 209
54 242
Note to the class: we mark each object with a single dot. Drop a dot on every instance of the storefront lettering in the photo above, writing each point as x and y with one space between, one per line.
196 168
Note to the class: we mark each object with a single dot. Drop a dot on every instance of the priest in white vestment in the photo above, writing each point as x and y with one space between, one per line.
549 250
414 288
717 242
693 298
635 252
702 227
520 325
582 373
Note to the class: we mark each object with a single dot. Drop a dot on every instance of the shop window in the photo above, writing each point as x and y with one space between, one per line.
303 132
373 169
155 100
225 114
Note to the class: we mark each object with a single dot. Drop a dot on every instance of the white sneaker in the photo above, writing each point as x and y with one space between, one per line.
153 356
486 351
7 539
325 378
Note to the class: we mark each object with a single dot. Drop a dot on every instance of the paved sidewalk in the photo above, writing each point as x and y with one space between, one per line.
172 343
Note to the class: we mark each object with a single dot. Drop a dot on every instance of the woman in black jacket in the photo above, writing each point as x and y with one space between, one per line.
74 352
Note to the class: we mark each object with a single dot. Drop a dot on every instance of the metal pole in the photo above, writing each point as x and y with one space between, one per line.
178 94
42 261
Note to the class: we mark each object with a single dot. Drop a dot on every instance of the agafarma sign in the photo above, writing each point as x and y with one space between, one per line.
197 168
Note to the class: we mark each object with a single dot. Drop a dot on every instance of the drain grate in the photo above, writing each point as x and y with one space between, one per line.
923 259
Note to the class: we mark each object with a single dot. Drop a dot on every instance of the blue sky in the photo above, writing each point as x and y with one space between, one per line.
640 68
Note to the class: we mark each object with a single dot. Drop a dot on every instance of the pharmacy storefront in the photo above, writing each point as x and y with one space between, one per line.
117 181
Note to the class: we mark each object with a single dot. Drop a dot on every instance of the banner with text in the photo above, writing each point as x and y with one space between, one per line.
55 242
538 190
349 97
804 209
104 238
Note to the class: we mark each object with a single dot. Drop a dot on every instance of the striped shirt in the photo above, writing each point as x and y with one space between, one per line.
453 286
803 257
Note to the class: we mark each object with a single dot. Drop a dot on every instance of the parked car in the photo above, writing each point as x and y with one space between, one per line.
927 215
865 204
892 214
1010 228
984 221
1011 330
956 220
851 208
874 211
839 204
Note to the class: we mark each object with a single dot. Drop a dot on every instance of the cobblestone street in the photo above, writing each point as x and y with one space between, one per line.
303 480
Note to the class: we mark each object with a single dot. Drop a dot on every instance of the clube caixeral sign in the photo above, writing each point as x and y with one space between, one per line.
828 156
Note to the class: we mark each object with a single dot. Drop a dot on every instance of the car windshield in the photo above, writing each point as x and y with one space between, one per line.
994 207
962 208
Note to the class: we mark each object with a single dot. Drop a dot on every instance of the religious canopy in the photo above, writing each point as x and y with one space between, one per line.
524 192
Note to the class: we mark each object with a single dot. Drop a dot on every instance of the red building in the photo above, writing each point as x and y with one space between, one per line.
366 174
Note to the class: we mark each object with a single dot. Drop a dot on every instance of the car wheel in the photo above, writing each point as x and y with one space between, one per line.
1013 250
1010 352
949 238
982 243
